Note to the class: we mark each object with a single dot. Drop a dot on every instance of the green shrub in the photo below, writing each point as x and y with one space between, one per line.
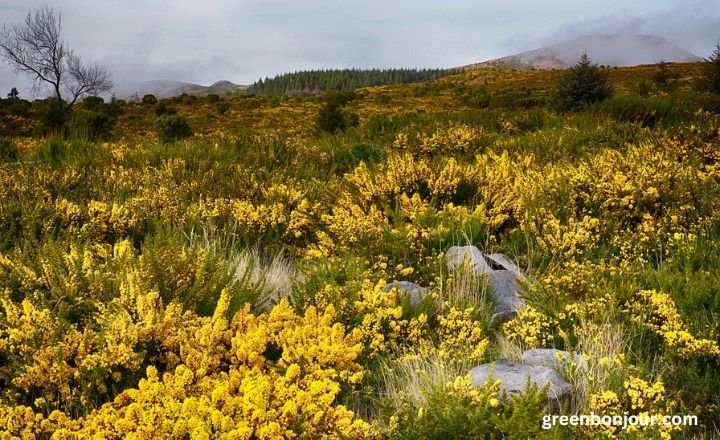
332 117
149 99
162 108
52 150
222 107
478 97
8 151
51 115
349 158
91 125
646 112
172 127
93 103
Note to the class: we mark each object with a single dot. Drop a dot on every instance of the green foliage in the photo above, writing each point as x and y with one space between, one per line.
93 103
194 276
663 77
478 97
162 108
349 158
222 107
583 84
457 416
91 125
149 99
645 112
53 151
332 117
8 150
344 80
711 71
51 115
170 128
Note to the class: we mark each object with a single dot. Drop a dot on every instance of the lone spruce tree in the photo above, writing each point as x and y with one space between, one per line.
711 71
584 83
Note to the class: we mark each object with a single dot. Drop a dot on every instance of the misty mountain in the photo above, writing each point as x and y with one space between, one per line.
608 50
169 88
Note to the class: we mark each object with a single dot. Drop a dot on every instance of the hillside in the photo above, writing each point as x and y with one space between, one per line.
607 50
169 88
221 267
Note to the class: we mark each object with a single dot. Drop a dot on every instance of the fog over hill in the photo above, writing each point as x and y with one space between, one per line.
169 88
609 50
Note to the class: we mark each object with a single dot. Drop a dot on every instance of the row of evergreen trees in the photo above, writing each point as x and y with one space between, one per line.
342 79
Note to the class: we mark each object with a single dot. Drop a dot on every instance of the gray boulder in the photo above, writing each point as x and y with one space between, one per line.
471 255
514 378
505 262
414 291
551 358
503 276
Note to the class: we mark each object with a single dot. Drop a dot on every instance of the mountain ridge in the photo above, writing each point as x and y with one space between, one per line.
164 88
621 50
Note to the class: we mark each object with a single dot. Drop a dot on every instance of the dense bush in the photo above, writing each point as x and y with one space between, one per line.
95 103
91 125
162 108
478 97
222 107
349 158
638 110
332 117
149 99
51 115
170 128
8 150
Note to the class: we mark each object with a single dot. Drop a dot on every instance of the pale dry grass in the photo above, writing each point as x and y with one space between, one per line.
602 345
509 349
273 276
411 378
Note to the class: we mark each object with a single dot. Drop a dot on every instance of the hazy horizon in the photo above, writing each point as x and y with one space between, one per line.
243 41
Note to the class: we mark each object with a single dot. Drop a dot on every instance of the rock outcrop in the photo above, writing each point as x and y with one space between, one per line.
414 291
503 276
514 379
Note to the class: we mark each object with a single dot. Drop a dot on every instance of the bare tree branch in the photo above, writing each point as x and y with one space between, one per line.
35 49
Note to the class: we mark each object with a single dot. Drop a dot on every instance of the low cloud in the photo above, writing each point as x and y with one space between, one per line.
244 40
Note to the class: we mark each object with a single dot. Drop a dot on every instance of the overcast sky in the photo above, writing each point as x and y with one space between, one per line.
241 41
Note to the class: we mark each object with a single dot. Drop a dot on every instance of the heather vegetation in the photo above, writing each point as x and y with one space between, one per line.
216 267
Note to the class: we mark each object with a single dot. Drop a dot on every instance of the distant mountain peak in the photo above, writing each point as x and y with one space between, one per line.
163 88
610 50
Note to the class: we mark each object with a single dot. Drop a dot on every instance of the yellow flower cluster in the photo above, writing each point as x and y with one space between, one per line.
461 336
531 328
227 386
657 311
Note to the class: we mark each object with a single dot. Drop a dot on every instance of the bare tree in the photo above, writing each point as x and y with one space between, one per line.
35 48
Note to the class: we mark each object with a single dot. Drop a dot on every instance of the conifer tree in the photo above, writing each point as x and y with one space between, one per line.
711 74
584 83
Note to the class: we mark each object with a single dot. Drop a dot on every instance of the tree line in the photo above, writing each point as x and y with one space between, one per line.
315 81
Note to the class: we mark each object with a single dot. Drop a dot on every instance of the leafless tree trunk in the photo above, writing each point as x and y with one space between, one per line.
35 48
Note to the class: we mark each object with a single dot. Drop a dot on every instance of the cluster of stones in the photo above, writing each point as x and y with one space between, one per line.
503 276
539 366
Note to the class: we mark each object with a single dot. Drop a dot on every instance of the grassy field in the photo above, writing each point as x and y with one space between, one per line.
230 284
